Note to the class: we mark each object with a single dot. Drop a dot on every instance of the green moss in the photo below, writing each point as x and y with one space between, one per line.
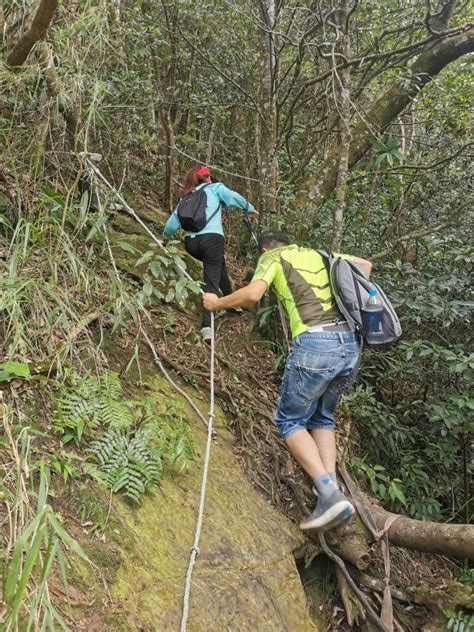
143 558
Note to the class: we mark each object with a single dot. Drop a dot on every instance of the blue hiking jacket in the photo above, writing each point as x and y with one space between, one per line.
217 194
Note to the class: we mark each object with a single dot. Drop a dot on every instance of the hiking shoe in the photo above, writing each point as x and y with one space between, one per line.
206 334
316 493
330 512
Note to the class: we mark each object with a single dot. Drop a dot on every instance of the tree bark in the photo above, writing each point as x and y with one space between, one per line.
54 87
268 166
168 137
39 26
344 144
456 540
388 106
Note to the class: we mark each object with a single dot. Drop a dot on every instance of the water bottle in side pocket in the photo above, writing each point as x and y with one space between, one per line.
372 318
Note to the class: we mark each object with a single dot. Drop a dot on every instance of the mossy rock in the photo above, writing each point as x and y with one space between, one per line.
245 576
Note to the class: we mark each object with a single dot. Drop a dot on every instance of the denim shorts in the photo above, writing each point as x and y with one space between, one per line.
318 368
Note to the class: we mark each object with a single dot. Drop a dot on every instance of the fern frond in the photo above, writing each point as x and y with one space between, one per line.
130 463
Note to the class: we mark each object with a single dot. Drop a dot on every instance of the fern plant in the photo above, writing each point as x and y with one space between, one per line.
127 458
88 403
127 440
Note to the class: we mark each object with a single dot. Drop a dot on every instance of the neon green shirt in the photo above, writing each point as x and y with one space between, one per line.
299 278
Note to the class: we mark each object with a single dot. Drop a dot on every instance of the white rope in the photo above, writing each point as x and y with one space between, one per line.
197 534
210 421
213 167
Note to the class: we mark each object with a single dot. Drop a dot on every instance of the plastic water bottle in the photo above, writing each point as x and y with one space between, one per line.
372 316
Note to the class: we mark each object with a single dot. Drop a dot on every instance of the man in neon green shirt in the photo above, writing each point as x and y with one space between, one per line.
324 353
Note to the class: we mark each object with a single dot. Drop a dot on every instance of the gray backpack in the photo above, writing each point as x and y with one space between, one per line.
350 289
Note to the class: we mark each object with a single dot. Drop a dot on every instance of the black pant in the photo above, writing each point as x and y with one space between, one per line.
209 248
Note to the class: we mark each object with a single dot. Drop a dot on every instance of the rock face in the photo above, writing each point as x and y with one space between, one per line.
245 576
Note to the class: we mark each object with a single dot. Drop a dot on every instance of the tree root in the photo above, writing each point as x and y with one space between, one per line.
352 606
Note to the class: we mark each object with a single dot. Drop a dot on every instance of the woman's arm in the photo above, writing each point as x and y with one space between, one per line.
232 198
171 226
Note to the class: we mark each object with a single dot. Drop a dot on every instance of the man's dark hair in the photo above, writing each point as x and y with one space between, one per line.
273 239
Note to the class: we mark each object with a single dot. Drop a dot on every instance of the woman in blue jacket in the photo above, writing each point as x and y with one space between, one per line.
207 245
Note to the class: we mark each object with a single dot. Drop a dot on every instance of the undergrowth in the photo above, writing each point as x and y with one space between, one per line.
125 439
33 539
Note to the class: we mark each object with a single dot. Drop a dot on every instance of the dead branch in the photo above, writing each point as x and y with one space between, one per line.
423 232
456 540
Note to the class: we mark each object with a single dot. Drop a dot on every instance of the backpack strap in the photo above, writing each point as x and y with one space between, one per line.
326 255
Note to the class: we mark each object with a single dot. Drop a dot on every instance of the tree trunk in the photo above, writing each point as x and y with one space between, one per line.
269 127
456 540
168 151
344 144
54 87
388 106
39 26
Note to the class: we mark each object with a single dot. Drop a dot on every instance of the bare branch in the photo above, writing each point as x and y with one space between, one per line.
423 232
388 106
404 168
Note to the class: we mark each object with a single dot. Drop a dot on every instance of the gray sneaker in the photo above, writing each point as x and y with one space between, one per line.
330 512
316 493
206 334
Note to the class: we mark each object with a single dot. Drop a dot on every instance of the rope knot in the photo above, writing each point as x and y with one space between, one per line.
195 549
388 523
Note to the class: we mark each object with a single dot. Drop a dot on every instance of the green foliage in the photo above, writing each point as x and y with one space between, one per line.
88 403
36 540
388 152
126 440
397 449
174 441
11 370
63 463
466 575
43 533
381 484
458 621
128 461
164 280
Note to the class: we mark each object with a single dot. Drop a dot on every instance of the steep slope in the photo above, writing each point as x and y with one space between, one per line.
245 576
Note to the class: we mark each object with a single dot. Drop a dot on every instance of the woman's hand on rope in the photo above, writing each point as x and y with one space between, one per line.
253 217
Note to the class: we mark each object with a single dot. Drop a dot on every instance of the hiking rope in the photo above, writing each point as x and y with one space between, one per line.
197 534
363 510
376 620
171 381
210 419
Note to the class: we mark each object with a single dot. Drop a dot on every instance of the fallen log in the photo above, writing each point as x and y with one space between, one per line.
456 540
